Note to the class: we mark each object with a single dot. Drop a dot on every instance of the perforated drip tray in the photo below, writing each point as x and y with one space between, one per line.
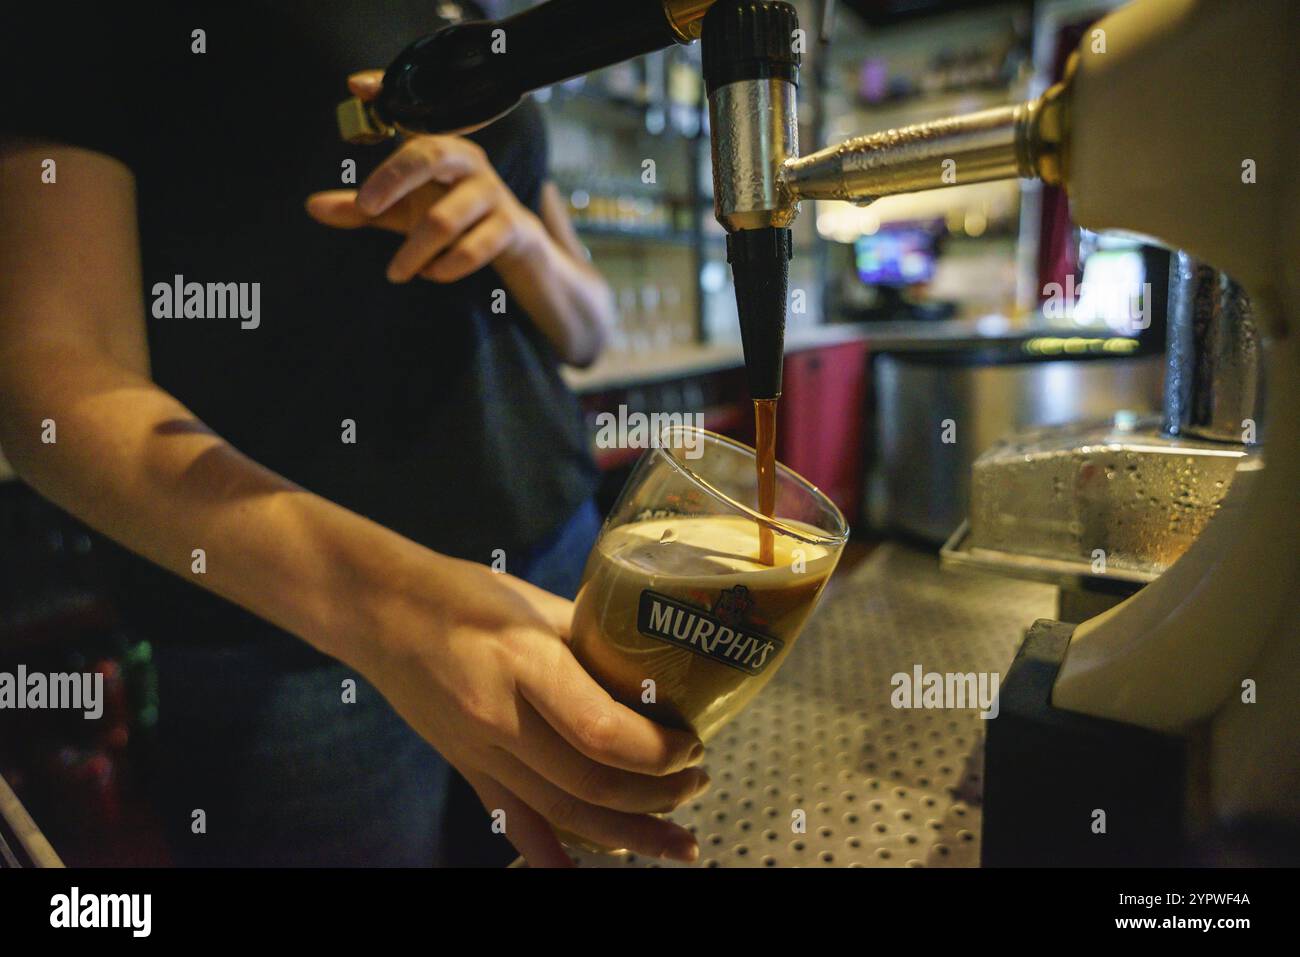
879 786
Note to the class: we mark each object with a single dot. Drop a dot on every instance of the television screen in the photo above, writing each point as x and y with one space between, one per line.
896 256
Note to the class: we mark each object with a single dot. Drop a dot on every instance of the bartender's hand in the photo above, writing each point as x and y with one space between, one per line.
443 194
478 663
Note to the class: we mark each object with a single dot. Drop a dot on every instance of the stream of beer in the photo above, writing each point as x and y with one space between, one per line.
765 446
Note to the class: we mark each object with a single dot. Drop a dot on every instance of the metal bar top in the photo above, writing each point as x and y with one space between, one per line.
879 786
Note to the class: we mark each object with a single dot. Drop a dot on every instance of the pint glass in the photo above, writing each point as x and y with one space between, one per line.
677 617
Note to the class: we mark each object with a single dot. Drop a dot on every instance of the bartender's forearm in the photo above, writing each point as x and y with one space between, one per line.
567 299
132 462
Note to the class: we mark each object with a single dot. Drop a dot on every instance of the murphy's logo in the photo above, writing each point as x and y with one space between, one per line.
718 634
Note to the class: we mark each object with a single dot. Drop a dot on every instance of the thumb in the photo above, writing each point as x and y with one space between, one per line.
366 84
338 208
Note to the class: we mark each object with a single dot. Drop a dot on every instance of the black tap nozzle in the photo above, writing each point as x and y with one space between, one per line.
760 266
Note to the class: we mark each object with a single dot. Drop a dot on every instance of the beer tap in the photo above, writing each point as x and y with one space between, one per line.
751 74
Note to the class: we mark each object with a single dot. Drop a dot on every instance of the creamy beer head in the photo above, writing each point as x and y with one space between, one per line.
680 620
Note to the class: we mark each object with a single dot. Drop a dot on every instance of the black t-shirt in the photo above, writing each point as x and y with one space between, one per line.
466 438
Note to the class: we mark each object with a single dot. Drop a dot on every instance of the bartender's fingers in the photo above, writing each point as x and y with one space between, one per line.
601 728
550 756
338 208
366 84
420 160
640 833
471 252
439 227
525 828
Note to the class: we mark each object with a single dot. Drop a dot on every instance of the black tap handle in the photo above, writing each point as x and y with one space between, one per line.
469 73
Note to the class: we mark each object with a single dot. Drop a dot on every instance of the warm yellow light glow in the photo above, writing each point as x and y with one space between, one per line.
1078 345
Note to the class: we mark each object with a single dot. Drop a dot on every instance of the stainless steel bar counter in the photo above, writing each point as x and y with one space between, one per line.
879 786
